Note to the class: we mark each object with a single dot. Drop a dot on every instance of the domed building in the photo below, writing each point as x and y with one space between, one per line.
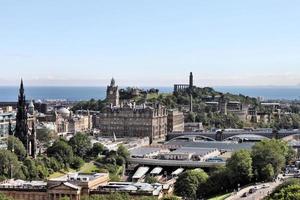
64 112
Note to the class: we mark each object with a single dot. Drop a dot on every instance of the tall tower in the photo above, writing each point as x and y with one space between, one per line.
112 93
191 84
21 130
191 80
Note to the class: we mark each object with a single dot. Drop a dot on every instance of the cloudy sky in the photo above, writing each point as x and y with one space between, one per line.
150 42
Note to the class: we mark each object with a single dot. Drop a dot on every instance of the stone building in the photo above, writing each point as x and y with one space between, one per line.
133 121
175 121
67 122
129 119
73 186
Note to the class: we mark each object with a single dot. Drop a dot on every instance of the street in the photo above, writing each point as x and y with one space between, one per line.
257 195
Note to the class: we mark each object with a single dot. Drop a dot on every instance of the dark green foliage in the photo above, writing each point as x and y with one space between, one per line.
31 169
239 167
290 190
15 145
188 182
120 161
81 144
9 165
61 151
218 182
274 152
77 163
267 172
123 152
96 150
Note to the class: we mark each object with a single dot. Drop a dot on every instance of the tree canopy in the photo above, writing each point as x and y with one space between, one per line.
14 144
273 152
61 151
81 144
240 167
188 182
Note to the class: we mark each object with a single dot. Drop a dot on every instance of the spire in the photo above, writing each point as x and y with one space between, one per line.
21 87
21 129
112 82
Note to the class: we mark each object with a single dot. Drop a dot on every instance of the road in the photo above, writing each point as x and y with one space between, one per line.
259 194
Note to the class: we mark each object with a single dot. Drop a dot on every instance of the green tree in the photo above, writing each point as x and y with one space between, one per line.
289 192
61 151
120 160
14 144
123 151
32 169
188 182
9 165
81 144
240 167
267 172
96 150
274 152
217 183
77 162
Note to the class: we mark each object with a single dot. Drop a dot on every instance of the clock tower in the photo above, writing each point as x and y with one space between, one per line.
112 93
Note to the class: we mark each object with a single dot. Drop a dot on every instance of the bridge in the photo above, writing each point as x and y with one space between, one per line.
220 135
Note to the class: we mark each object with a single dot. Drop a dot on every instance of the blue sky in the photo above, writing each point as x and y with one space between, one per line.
150 42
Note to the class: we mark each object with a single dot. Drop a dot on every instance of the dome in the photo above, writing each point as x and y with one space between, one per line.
31 105
63 111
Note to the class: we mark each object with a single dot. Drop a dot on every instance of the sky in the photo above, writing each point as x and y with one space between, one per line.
150 42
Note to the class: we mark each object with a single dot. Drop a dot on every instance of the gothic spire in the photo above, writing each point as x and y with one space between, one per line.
21 129
21 87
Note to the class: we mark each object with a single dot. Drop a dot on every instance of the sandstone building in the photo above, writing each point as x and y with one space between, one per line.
129 119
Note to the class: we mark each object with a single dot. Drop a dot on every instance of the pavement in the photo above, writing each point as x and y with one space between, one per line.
259 194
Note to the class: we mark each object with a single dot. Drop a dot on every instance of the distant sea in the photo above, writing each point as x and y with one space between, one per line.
10 93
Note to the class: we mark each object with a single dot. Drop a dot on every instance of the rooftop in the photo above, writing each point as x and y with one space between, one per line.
82 177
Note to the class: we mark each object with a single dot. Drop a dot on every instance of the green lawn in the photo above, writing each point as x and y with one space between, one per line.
220 197
88 168
60 173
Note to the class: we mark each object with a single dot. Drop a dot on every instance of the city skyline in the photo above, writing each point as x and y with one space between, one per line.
143 43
